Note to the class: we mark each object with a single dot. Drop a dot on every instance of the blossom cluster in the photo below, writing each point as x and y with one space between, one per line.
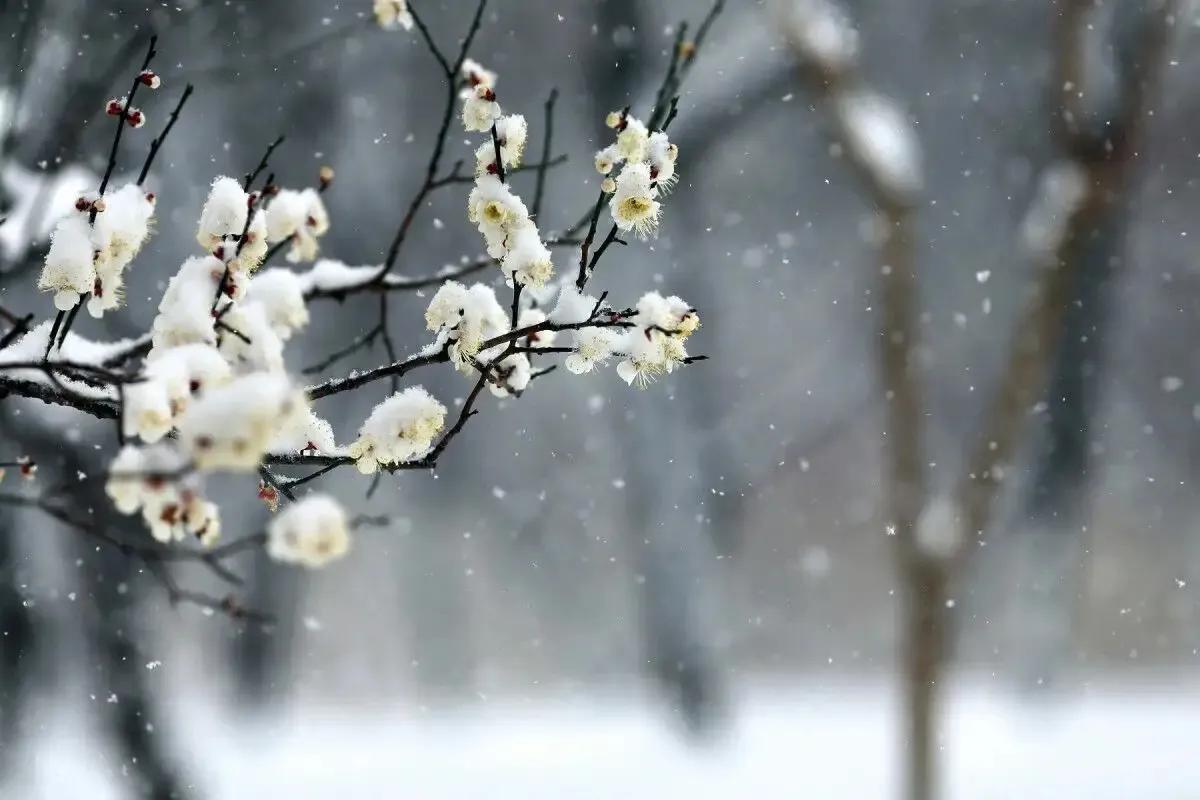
647 161
311 532
214 393
511 235
92 246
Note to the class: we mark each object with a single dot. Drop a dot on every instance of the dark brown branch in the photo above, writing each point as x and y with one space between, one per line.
157 144
435 158
539 191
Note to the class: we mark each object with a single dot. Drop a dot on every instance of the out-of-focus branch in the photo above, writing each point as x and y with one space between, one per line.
1098 133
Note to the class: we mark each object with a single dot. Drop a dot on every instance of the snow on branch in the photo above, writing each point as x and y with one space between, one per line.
208 387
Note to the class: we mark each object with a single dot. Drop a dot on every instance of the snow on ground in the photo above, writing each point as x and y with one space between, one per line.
1109 743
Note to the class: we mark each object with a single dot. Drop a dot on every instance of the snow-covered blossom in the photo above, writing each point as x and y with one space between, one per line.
172 377
607 159
224 213
146 411
393 13
246 256
496 211
480 110
305 433
527 259
232 426
398 430
185 312
661 155
310 532
299 216
632 140
120 231
69 270
119 107
280 292
475 74
156 480
656 344
534 316
512 131
465 318
593 345
510 375
633 204
251 342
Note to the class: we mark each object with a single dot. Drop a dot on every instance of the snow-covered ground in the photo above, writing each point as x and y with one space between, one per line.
1105 743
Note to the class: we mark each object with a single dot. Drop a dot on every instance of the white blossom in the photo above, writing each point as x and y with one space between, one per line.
251 344
592 346
655 345
661 155
69 269
480 110
310 532
232 426
496 211
224 213
146 411
632 140
156 480
393 13
475 74
185 312
533 316
398 430
607 159
120 231
510 375
512 131
527 260
465 318
633 205
300 216
280 292
305 433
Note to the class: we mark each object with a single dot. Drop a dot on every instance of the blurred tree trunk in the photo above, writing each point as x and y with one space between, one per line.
18 643
1100 126
119 669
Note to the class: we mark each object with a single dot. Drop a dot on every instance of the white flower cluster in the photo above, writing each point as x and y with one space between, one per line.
511 235
150 479
593 345
393 14
90 258
257 315
652 343
299 216
398 430
311 532
227 396
648 172
655 345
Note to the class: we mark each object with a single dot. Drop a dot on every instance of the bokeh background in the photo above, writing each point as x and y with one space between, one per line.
684 591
